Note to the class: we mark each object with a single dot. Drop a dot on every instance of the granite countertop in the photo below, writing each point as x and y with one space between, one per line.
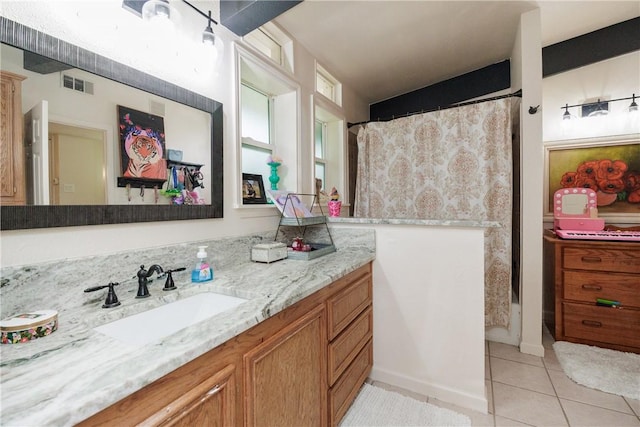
409 221
75 372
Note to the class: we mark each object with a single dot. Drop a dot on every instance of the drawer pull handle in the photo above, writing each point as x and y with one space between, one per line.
214 390
593 323
592 287
591 259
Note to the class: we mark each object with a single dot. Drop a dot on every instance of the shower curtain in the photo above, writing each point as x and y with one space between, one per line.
453 164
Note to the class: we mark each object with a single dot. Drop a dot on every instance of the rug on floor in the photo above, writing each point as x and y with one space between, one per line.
607 370
375 406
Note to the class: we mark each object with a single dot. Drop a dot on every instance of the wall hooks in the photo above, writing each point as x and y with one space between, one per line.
533 110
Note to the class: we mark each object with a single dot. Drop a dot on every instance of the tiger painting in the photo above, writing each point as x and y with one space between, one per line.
145 156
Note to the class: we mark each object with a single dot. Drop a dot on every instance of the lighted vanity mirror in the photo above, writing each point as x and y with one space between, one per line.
574 202
192 125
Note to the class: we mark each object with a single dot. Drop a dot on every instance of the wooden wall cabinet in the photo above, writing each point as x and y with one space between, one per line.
303 366
12 158
576 273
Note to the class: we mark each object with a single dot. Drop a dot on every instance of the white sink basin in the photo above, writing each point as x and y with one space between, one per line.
148 326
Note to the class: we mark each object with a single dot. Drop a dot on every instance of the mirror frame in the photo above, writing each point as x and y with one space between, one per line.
27 217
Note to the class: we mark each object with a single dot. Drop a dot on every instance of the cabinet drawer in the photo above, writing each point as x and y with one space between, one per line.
342 394
347 304
349 343
583 286
621 261
603 324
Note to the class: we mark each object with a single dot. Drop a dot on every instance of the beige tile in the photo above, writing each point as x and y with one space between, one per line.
635 405
567 389
527 406
477 418
506 422
511 352
551 360
580 414
521 375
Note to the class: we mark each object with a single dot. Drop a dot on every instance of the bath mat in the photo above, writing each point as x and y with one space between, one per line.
375 406
607 370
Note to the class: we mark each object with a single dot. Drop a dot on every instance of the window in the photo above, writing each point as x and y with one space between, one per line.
255 114
320 136
268 122
273 43
263 42
256 125
329 135
328 86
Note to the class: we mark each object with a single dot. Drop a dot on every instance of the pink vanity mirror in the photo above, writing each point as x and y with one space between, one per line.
576 209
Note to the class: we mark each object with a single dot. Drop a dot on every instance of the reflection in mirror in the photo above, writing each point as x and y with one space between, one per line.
198 136
84 150
574 204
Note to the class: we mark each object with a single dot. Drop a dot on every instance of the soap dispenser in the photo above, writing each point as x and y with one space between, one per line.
202 271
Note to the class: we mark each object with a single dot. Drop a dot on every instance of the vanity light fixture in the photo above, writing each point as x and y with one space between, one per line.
157 10
633 107
162 11
598 108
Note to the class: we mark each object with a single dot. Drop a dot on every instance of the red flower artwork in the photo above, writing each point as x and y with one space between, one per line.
610 179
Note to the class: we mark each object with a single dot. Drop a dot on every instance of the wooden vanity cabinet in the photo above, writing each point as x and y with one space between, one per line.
284 376
12 174
302 366
576 273
350 350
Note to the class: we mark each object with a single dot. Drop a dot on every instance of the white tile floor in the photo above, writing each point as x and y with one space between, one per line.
525 390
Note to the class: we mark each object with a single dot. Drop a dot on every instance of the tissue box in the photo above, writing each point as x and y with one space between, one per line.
268 252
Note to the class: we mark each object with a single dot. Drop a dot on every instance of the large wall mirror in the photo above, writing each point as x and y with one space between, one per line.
192 126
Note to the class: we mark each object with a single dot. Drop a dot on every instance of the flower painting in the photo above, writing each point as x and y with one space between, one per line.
612 171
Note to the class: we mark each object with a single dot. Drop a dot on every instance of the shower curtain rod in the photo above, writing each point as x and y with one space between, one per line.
460 104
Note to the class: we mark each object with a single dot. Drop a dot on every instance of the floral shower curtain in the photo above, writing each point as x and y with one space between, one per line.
453 164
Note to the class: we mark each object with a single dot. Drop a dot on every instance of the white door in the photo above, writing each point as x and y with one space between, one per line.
36 139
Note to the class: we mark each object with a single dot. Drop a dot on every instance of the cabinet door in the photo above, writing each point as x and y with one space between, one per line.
285 376
212 403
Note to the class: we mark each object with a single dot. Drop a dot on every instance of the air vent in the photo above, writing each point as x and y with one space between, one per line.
77 84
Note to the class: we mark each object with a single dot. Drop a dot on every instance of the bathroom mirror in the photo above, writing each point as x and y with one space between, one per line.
159 92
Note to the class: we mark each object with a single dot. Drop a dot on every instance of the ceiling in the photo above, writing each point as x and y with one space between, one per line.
383 49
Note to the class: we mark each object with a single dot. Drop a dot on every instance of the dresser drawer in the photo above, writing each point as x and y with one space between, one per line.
621 261
349 343
347 304
342 394
588 286
604 324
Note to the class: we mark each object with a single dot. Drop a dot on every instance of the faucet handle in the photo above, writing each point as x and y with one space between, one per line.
169 285
112 298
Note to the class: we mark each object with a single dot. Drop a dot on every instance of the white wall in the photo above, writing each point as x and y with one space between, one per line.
614 78
428 298
531 170
104 27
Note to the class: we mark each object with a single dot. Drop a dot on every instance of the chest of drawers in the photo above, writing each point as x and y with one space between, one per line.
576 273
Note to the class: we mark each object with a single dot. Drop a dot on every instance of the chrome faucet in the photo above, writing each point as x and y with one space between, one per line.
143 275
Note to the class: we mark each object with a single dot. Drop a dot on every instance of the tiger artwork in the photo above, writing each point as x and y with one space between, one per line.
145 155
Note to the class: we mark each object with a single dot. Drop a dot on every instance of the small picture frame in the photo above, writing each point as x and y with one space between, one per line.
253 190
